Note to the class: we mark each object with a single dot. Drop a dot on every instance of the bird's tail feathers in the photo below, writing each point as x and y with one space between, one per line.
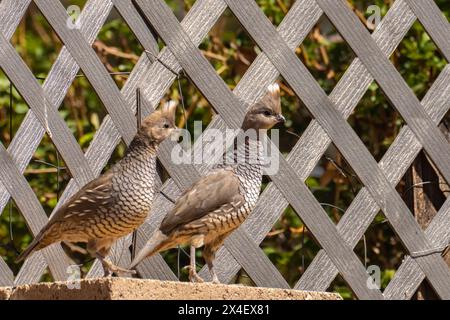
153 245
34 245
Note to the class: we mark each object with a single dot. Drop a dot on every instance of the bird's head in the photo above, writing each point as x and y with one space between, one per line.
160 124
265 113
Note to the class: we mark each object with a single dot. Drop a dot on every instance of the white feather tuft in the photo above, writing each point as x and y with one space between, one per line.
274 88
170 105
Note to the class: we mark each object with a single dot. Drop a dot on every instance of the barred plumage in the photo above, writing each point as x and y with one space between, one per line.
117 202
219 202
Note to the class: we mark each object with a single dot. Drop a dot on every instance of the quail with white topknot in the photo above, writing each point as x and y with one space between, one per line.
116 203
220 201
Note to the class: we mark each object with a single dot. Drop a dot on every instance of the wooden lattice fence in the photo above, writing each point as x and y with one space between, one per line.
155 76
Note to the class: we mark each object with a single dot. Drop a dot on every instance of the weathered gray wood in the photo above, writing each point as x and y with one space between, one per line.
128 12
11 12
192 61
294 28
241 249
9 20
302 82
27 138
252 86
363 209
204 11
29 206
314 141
391 82
92 67
6 275
434 23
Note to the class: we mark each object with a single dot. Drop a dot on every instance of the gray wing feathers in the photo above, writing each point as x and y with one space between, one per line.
206 195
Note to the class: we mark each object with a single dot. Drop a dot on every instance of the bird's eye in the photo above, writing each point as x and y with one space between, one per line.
267 113
166 126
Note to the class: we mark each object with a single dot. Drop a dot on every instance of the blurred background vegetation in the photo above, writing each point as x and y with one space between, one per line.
289 245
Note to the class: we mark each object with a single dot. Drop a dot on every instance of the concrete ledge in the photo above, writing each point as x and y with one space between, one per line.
138 289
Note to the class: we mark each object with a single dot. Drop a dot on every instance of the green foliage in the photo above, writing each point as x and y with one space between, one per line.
231 51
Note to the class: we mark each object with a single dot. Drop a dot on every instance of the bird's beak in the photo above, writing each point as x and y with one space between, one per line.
176 134
280 119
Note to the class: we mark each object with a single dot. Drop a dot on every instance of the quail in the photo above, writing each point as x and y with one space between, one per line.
117 202
219 202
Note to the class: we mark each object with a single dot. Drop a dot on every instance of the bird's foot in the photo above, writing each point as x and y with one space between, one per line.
111 269
215 280
193 275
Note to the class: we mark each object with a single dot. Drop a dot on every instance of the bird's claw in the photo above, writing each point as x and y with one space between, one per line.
193 275
215 280
111 269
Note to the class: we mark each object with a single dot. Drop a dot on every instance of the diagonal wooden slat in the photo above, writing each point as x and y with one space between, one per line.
181 46
346 140
200 18
204 11
434 22
31 209
29 88
92 67
128 12
391 82
395 163
11 12
31 131
243 245
363 209
314 141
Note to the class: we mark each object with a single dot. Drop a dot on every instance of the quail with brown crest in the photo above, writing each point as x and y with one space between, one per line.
219 202
117 202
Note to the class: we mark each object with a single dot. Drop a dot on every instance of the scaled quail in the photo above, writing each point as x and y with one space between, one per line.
220 201
117 202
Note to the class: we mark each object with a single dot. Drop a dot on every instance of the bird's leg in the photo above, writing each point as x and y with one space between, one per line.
193 276
74 248
108 267
209 254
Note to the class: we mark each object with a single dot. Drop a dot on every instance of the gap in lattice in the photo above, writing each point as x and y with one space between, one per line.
297 115
118 48
180 8
444 5
334 183
83 111
178 258
242 278
36 42
275 13
229 49
376 121
46 276
340 286
424 189
322 49
12 112
290 246
418 60
381 246
42 173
